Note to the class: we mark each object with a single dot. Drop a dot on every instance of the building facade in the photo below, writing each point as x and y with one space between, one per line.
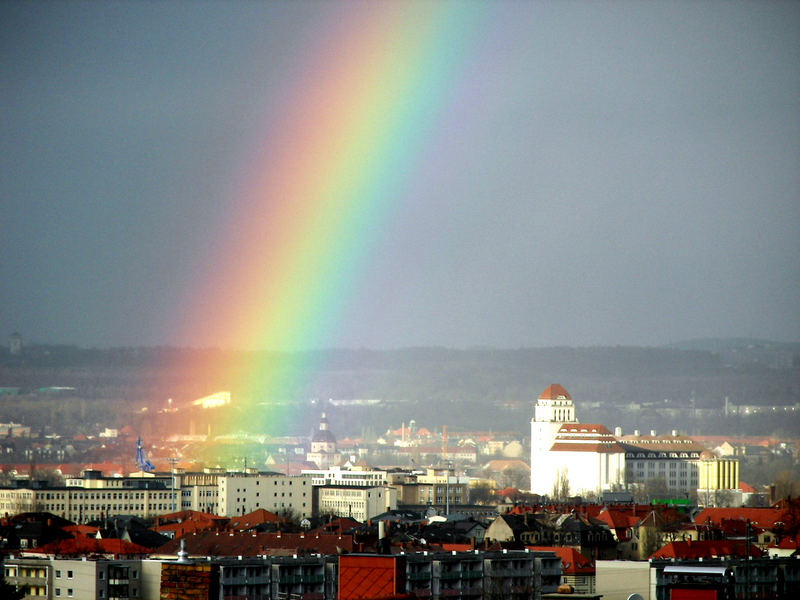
669 462
589 459
357 502
553 408
243 493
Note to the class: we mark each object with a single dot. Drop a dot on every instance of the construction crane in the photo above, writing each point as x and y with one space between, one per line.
141 459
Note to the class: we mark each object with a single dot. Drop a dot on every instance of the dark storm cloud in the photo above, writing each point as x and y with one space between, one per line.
607 173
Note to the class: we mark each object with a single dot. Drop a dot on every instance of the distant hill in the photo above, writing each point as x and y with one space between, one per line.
723 344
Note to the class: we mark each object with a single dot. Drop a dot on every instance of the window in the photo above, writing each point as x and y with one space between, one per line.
69 575
70 592
58 592
58 573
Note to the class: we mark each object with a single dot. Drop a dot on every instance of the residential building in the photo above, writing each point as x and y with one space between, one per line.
243 493
56 578
145 495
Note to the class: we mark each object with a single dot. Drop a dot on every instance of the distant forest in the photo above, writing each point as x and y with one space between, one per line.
683 386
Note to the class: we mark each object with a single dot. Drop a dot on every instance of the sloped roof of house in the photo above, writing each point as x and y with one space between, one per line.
572 561
706 549
252 519
85 531
746 488
554 391
618 521
207 543
88 547
765 518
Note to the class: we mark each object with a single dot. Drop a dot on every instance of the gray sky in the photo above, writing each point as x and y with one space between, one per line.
607 173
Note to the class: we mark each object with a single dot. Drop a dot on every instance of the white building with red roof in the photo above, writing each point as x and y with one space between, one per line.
553 408
587 455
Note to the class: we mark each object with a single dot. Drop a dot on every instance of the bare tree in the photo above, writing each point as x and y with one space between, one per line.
561 485
481 493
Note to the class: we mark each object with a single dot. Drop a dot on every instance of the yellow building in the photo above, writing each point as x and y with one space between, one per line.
718 473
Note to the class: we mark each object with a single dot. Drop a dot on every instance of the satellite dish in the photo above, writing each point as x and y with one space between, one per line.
635 597
305 524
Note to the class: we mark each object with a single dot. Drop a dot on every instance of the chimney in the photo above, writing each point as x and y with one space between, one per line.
653 432
636 432
674 433
617 431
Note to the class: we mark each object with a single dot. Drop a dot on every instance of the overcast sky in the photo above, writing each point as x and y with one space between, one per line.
608 173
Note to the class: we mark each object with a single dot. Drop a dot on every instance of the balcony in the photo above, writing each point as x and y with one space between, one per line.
302 579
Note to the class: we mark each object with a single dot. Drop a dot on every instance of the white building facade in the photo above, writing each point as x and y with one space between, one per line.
553 408
589 458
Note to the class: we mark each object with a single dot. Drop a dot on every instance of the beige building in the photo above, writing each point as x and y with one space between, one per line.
93 497
243 493
359 503
718 481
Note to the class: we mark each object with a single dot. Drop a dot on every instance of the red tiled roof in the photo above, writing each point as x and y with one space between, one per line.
787 543
207 543
252 519
80 530
88 546
338 526
746 488
706 549
765 518
553 391
368 576
618 521
572 561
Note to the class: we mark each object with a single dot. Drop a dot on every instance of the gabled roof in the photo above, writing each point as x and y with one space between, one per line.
618 521
252 519
554 391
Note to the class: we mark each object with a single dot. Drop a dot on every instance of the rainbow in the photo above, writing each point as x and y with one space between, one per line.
336 156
